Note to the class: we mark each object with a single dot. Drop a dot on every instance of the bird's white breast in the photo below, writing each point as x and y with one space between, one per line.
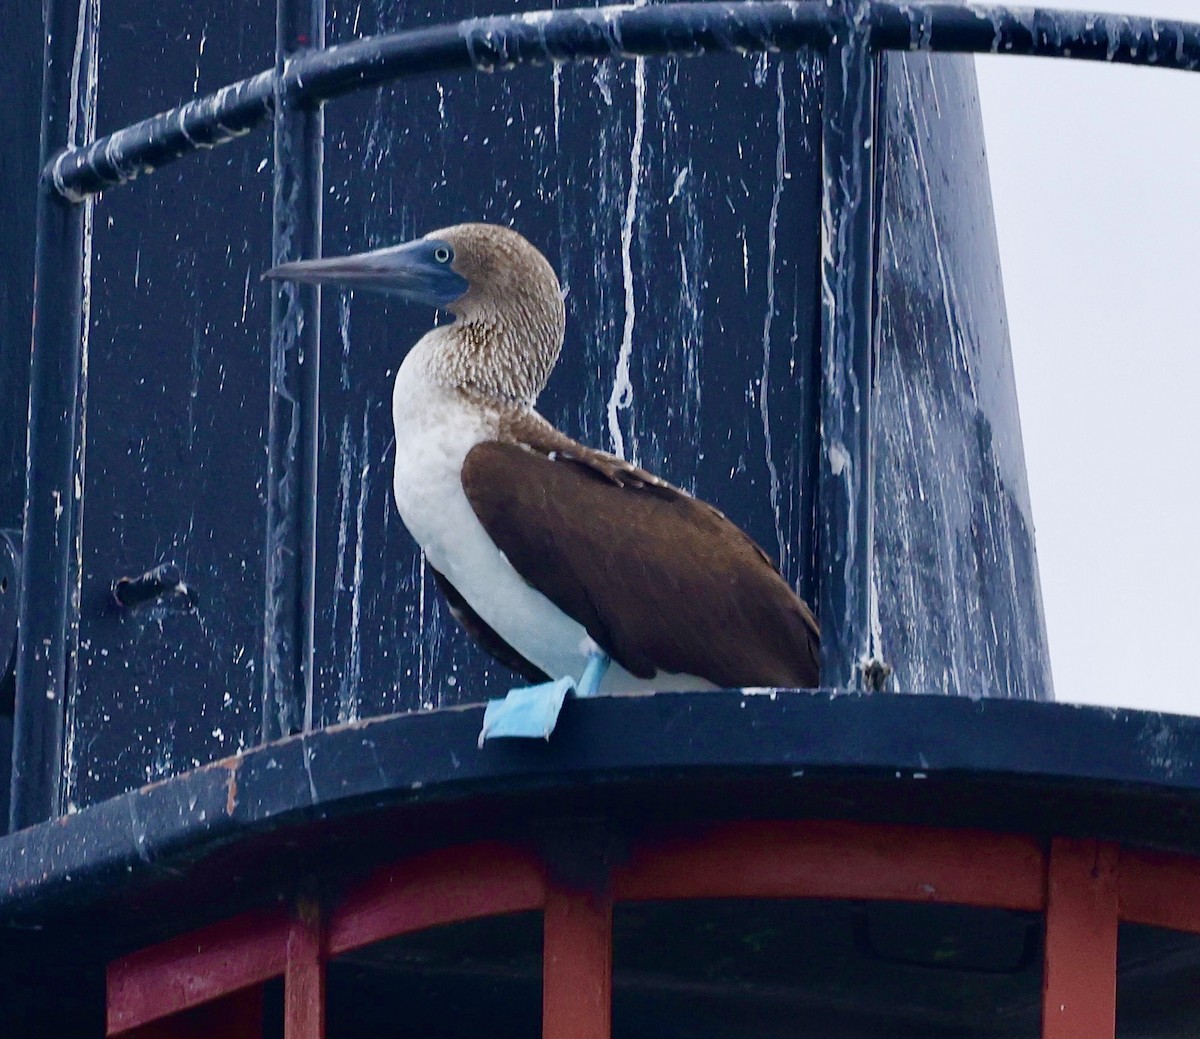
435 429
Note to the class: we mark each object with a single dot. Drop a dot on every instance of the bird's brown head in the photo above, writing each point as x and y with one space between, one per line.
501 289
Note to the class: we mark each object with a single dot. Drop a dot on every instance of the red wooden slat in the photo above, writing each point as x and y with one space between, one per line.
840 860
236 1016
437 888
1160 889
577 966
195 968
756 859
1079 981
304 977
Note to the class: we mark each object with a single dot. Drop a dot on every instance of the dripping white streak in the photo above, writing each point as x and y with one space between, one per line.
77 69
348 700
83 63
764 382
344 335
194 389
692 314
245 289
426 701
347 464
680 178
556 80
199 58
622 392
875 647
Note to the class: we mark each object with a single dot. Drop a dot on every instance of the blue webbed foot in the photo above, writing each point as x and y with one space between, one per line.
532 711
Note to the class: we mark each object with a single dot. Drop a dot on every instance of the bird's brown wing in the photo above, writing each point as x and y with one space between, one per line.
659 580
483 633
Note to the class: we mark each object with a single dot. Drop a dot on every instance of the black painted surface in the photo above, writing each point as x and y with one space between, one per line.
1158 983
481 977
48 600
10 582
960 607
670 231
20 95
176 419
722 391
294 404
10 570
680 201
177 372
845 486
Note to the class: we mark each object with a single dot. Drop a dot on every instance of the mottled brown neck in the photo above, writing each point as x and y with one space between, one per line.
511 321
507 358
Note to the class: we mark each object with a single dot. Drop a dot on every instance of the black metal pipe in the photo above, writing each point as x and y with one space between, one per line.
539 37
845 486
477 43
582 34
47 606
289 610
1035 32
231 112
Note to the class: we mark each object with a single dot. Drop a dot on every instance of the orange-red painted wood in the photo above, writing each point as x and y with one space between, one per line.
238 1015
577 966
195 968
181 987
441 887
1079 980
839 860
304 977
1160 889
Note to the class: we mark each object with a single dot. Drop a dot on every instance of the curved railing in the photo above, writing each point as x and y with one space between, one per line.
490 44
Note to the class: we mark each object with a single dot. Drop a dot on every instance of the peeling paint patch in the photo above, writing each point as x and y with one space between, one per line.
839 458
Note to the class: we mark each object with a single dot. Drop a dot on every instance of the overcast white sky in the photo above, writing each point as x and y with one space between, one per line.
1096 187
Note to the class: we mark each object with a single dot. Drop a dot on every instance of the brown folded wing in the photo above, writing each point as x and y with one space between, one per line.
659 580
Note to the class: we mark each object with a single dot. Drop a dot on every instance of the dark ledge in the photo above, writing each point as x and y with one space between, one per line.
234 832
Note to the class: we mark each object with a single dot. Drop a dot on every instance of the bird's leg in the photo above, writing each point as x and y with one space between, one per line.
532 711
593 673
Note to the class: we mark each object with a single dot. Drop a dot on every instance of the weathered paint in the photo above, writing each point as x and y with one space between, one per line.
177 424
712 382
955 564
664 204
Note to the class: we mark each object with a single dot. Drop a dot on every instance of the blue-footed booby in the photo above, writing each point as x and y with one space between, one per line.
564 562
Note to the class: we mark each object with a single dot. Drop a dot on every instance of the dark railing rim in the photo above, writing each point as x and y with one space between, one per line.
617 32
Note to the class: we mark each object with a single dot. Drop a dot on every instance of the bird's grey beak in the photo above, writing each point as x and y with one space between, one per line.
421 271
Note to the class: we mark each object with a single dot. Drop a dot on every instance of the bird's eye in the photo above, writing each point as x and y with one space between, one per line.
441 254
